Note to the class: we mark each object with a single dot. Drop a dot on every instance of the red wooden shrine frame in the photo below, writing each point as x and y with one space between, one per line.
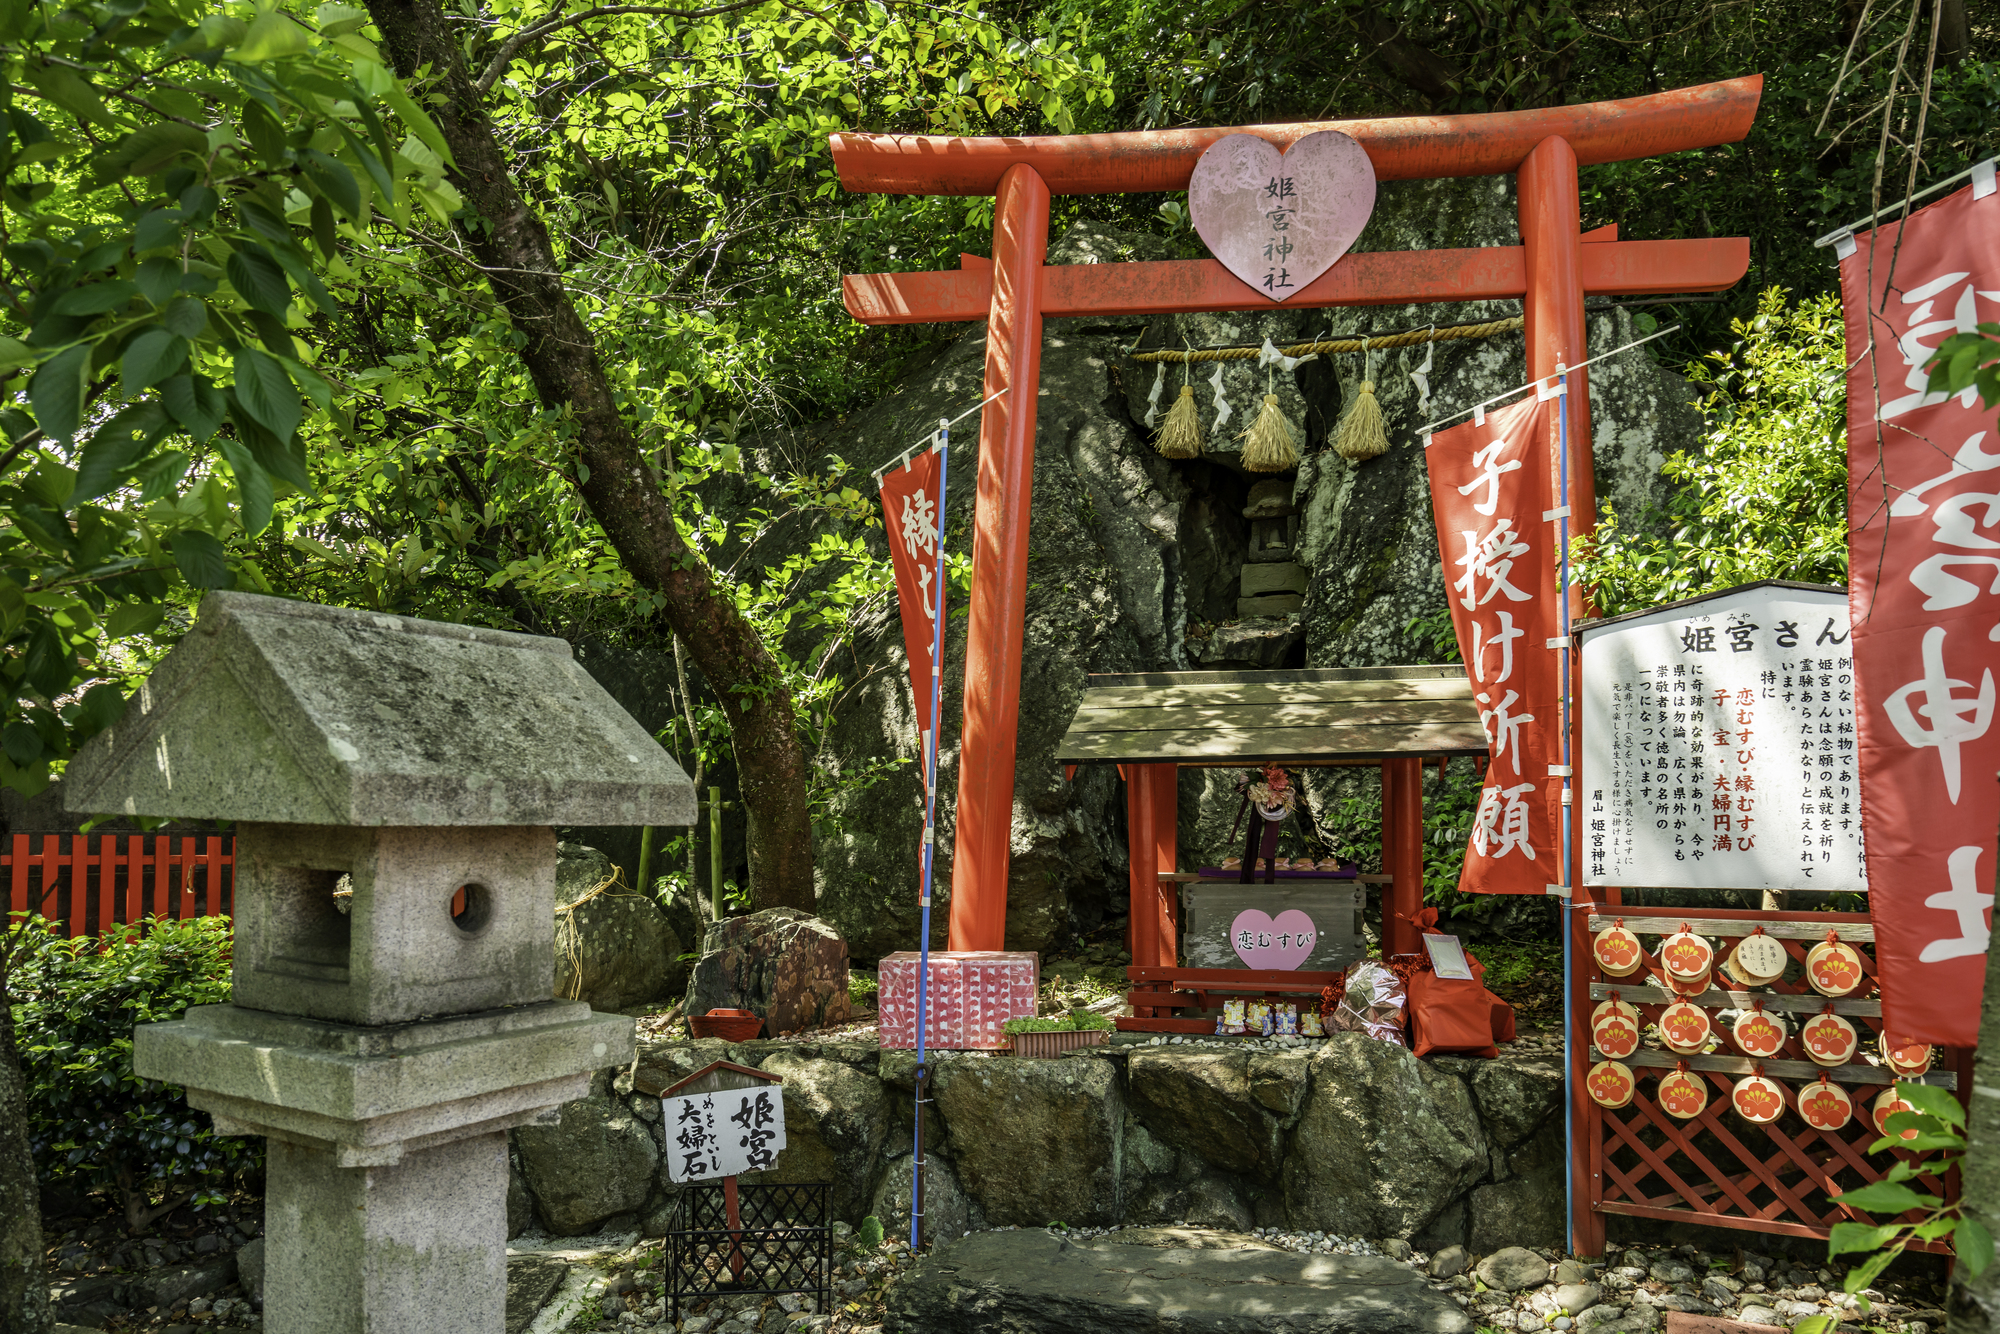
1552 270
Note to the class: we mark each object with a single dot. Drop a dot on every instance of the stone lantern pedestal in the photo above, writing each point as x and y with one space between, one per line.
396 784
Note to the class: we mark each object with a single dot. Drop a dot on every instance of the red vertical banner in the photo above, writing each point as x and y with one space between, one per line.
910 511
1924 598
1492 490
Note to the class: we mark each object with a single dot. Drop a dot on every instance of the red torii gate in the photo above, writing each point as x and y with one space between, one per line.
1552 269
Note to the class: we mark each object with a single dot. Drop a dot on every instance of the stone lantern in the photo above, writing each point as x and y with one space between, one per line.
394 783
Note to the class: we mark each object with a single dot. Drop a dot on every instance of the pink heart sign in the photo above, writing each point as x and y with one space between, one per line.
1279 220
1262 942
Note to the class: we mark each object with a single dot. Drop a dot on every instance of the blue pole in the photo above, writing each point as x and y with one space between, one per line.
1569 884
943 447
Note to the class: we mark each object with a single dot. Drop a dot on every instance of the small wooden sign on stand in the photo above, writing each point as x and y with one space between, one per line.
721 1120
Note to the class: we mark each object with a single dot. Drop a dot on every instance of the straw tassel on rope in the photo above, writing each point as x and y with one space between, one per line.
1180 438
1270 445
1360 435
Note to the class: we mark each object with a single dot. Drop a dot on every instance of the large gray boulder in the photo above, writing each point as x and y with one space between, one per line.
1201 1103
1036 1141
614 947
1033 1282
836 1119
785 965
593 1164
1384 1142
949 1212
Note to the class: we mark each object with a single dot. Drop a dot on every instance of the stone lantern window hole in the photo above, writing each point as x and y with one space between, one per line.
312 924
471 908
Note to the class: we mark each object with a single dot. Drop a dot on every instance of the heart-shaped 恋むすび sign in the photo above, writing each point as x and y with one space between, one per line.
1265 942
1279 220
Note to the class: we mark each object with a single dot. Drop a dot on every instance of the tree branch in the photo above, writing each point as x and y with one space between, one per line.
512 46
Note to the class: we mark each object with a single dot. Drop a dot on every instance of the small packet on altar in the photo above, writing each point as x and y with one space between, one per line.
1287 1019
1310 1026
1233 1019
1373 1004
1267 1023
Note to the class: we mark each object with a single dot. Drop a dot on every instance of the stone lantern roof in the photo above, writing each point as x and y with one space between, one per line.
289 712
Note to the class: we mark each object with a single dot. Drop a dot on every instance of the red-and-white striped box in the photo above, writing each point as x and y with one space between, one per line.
970 996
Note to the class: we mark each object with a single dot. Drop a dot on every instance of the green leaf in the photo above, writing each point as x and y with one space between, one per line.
151 149
115 447
264 132
159 475
417 120
133 618
202 561
195 403
186 316
267 393
57 392
255 494
1845 1237
258 280
308 282
326 234
160 227
15 354
158 278
1974 1245
272 34
62 87
22 742
334 181
47 663
104 704
96 298
1932 1101
1885 1197
1817 1324
150 358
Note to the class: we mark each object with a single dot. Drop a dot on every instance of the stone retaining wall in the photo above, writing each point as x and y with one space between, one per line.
1348 1135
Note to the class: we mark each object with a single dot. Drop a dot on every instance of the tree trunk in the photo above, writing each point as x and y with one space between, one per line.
24 1294
512 246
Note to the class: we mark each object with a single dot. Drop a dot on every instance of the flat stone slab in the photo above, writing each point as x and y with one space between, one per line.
1035 1283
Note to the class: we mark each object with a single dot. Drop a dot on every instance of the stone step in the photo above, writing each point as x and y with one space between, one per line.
1285 577
1271 604
1032 1282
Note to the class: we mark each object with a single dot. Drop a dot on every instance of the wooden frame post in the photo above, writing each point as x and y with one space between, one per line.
1164 793
1402 853
980 859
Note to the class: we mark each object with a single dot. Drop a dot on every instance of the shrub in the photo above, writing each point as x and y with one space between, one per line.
1073 1023
93 1123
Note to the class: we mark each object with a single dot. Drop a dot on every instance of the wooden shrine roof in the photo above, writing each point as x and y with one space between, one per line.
1338 715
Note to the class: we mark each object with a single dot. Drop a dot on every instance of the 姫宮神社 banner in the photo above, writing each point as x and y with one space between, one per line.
1924 593
1491 489
910 511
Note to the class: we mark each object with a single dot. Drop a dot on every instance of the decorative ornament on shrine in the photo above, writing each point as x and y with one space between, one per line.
1611 1084
1833 967
1887 1103
1685 1028
1829 1039
1757 1032
1826 1105
1757 961
1618 951
1758 1099
1683 1094
1908 1059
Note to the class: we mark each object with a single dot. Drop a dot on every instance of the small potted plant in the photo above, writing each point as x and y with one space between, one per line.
1053 1037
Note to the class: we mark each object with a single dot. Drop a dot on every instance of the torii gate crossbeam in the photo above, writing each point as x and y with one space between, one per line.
1551 270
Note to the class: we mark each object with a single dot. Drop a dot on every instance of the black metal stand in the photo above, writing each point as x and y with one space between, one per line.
781 1241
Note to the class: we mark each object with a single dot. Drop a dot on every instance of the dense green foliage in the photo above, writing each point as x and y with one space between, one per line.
1765 497
95 1124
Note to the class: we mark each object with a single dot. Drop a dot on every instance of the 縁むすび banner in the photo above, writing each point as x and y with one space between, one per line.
1492 487
1924 595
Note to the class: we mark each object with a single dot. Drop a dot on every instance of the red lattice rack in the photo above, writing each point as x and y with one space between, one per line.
1719 1169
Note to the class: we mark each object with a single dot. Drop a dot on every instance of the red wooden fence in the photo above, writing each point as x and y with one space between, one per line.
89 882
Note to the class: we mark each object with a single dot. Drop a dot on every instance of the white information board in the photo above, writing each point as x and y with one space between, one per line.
715 1135
1718 744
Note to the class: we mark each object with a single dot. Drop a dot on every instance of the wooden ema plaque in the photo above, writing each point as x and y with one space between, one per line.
1722 1137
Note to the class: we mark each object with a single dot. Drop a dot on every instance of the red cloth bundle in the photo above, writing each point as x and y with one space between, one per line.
1454 1015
